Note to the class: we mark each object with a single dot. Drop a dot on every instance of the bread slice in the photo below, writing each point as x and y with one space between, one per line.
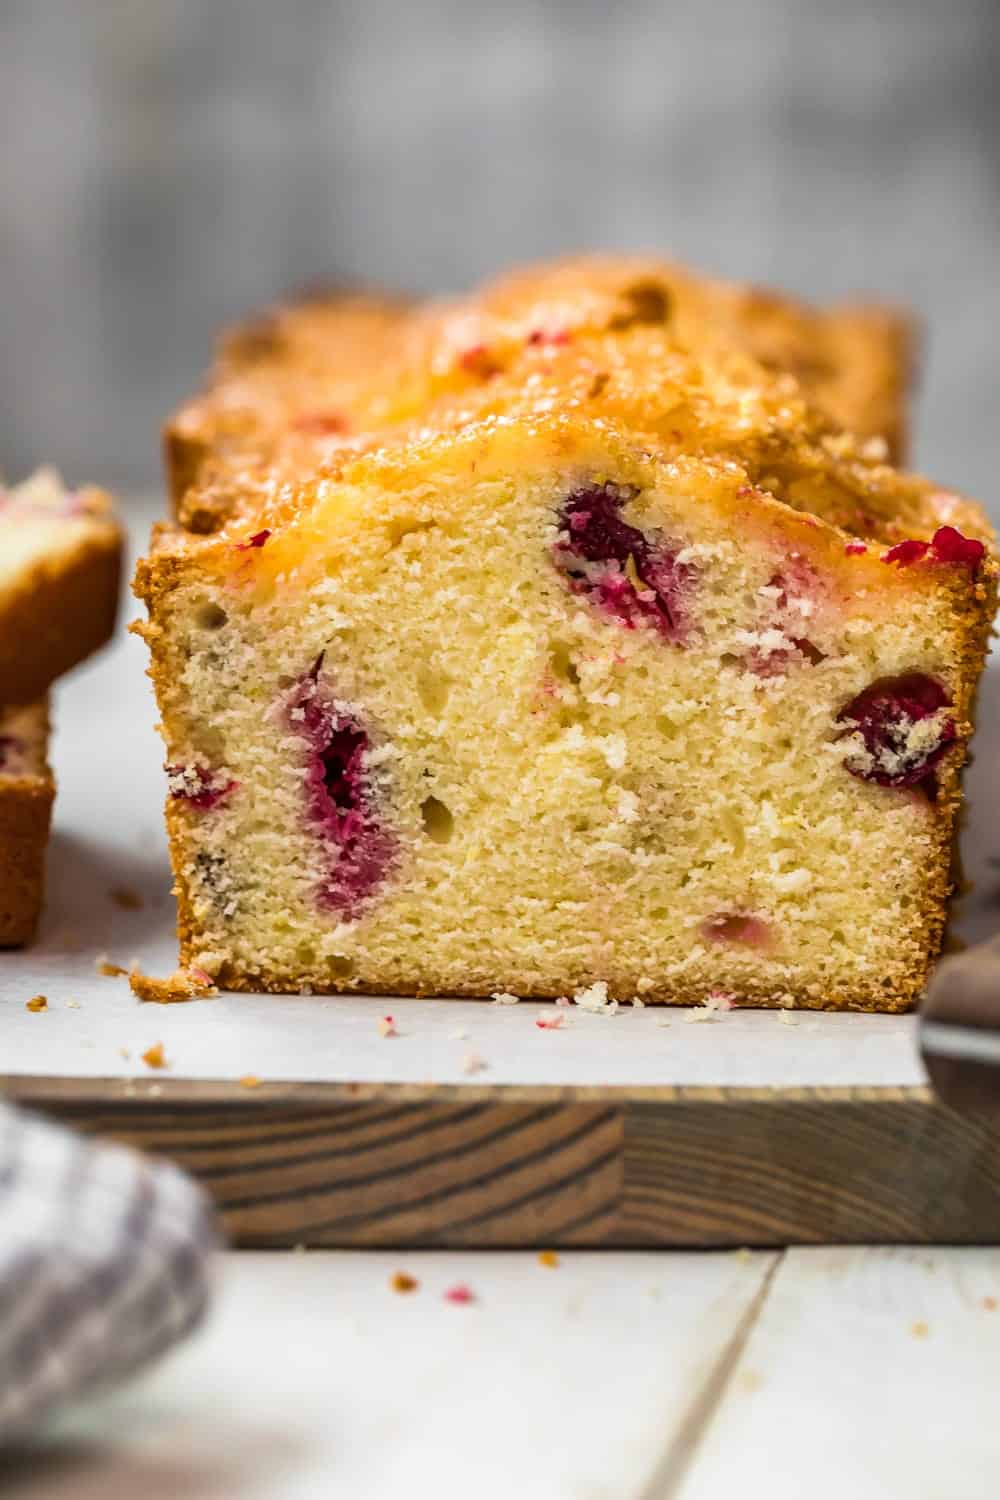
60 559
26 793
612 663
308 379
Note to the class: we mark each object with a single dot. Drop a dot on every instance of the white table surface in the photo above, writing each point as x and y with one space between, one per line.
815 1375
819 1373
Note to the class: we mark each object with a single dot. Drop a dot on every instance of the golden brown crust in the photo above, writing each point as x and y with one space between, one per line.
312 379
59 611
25 813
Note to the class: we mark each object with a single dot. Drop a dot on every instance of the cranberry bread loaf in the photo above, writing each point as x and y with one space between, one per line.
60 557
614 662
26 793
310 378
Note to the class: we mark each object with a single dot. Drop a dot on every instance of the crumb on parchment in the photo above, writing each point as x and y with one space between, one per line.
402 1281
103 965
37 1003
154 1056
189 983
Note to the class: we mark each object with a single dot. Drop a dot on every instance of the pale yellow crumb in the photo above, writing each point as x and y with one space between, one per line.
594 998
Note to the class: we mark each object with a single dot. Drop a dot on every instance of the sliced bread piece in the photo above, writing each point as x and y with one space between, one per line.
60 560
26 793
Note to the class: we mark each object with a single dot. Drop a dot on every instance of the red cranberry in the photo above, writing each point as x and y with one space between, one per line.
946 546
737 927
199 786
257 540
341 797
477 360
951 546
594 551
884 715
906 553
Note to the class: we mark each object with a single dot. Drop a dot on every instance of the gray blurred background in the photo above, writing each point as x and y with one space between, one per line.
168 164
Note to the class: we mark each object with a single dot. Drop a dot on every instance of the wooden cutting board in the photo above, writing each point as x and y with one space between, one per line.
614 1131
758 1132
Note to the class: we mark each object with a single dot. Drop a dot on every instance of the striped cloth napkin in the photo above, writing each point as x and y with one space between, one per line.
104 1263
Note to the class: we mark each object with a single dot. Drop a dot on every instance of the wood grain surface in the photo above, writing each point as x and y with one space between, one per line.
479 1165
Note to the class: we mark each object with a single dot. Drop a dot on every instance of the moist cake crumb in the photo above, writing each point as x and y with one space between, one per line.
538 686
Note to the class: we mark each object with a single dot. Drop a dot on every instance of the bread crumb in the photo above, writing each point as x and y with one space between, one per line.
402 1281
661 1021
249 1081
183 984
548 1258
458 1036
595 999
36 1003
500 997
547 1020
124 1053
73 1005
713 1007
919 1329
638 1004
743 1255
103 966
125 897
154 1056
386 1026
990 1304
786 1018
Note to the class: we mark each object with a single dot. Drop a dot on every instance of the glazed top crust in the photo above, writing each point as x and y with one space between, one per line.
673 365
